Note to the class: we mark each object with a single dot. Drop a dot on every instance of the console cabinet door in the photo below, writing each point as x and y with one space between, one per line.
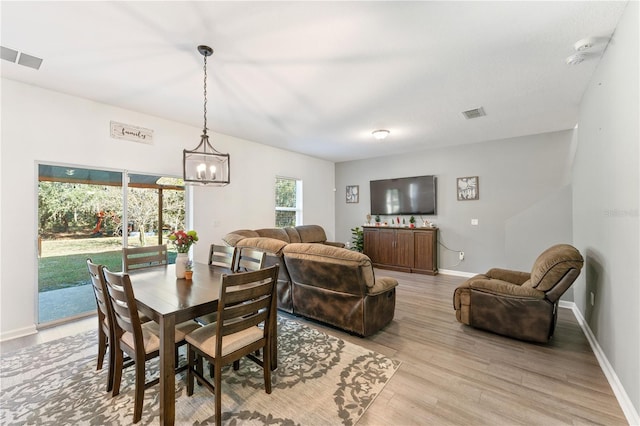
425 251
371 244
403 248
386 246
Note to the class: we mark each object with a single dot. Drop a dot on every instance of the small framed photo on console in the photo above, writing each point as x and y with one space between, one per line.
353 193
468 188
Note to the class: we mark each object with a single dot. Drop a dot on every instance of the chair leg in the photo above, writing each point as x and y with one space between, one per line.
236 365
217 392
102 348
191 360
139 388
111 369
117 370
266 366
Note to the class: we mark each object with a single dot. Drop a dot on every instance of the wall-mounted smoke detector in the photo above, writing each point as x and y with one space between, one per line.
576 59
590 47
584 44
474 113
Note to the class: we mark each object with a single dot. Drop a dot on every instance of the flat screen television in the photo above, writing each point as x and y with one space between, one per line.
411 195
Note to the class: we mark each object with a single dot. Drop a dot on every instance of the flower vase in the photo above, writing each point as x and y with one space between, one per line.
181 264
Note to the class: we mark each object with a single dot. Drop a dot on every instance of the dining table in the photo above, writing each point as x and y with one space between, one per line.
169 300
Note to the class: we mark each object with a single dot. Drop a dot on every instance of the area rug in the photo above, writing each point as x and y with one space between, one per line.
320 380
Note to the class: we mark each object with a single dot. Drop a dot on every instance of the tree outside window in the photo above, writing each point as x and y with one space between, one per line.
288 202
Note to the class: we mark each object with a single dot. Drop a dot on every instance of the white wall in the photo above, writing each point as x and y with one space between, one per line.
44 126
524 205
606 204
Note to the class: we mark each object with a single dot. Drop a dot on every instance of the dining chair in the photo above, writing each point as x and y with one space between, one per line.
140 341
250 259
135 258
222 256
105 318
246 301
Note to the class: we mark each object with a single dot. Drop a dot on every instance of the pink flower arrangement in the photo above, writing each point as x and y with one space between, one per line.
183 240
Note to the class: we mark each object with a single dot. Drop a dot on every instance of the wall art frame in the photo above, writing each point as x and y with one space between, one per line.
353 194
468 188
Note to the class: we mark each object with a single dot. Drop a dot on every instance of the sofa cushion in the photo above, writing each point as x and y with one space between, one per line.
334 255
269 245
294 237
311 234
276 233
553 264
232 238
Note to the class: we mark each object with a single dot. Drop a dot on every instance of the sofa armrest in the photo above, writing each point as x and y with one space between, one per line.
515 277
334 244
502 288
383 284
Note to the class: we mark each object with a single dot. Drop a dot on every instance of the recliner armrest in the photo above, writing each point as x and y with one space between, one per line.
503 288
515 277
382 284
334 244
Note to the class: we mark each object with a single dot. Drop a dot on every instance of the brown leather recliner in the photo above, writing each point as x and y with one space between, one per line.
519 304
338 287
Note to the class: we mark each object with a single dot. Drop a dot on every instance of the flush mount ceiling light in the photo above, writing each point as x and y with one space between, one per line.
204 165
380 134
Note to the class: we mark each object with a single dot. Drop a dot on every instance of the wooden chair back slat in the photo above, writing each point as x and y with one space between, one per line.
222 256
135 258
250 260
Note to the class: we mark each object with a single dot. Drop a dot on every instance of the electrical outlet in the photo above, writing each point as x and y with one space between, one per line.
593 299
461 255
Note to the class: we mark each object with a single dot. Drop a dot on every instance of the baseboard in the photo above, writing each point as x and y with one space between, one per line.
621 395
456 273
21 332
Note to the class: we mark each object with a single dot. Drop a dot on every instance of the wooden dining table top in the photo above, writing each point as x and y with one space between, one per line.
158 291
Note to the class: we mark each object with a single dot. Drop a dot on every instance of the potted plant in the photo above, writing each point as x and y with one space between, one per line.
182 241
412 222
358 239
188 269
377 220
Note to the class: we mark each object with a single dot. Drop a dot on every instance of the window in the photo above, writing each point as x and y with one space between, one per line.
288 202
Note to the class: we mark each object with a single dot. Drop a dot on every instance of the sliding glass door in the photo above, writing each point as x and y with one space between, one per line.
81 215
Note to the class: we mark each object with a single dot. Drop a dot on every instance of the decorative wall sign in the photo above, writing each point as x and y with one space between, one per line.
353 193
131 133
468 188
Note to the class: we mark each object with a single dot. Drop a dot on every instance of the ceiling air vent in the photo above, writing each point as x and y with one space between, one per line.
474 113
30 61
24 58
9 54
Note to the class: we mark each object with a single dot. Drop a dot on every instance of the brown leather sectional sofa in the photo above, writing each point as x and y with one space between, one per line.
322 280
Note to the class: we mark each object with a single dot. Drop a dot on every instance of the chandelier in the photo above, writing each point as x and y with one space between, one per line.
204 165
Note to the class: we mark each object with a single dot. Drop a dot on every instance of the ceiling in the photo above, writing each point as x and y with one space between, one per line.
319 77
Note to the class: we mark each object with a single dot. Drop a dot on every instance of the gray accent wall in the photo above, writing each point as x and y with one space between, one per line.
605 205
524 201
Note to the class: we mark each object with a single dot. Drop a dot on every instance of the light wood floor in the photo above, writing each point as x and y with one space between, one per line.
452 374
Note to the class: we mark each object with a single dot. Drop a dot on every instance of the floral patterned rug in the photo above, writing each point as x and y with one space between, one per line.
320 380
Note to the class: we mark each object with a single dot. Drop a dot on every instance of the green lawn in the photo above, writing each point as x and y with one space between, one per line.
63 262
